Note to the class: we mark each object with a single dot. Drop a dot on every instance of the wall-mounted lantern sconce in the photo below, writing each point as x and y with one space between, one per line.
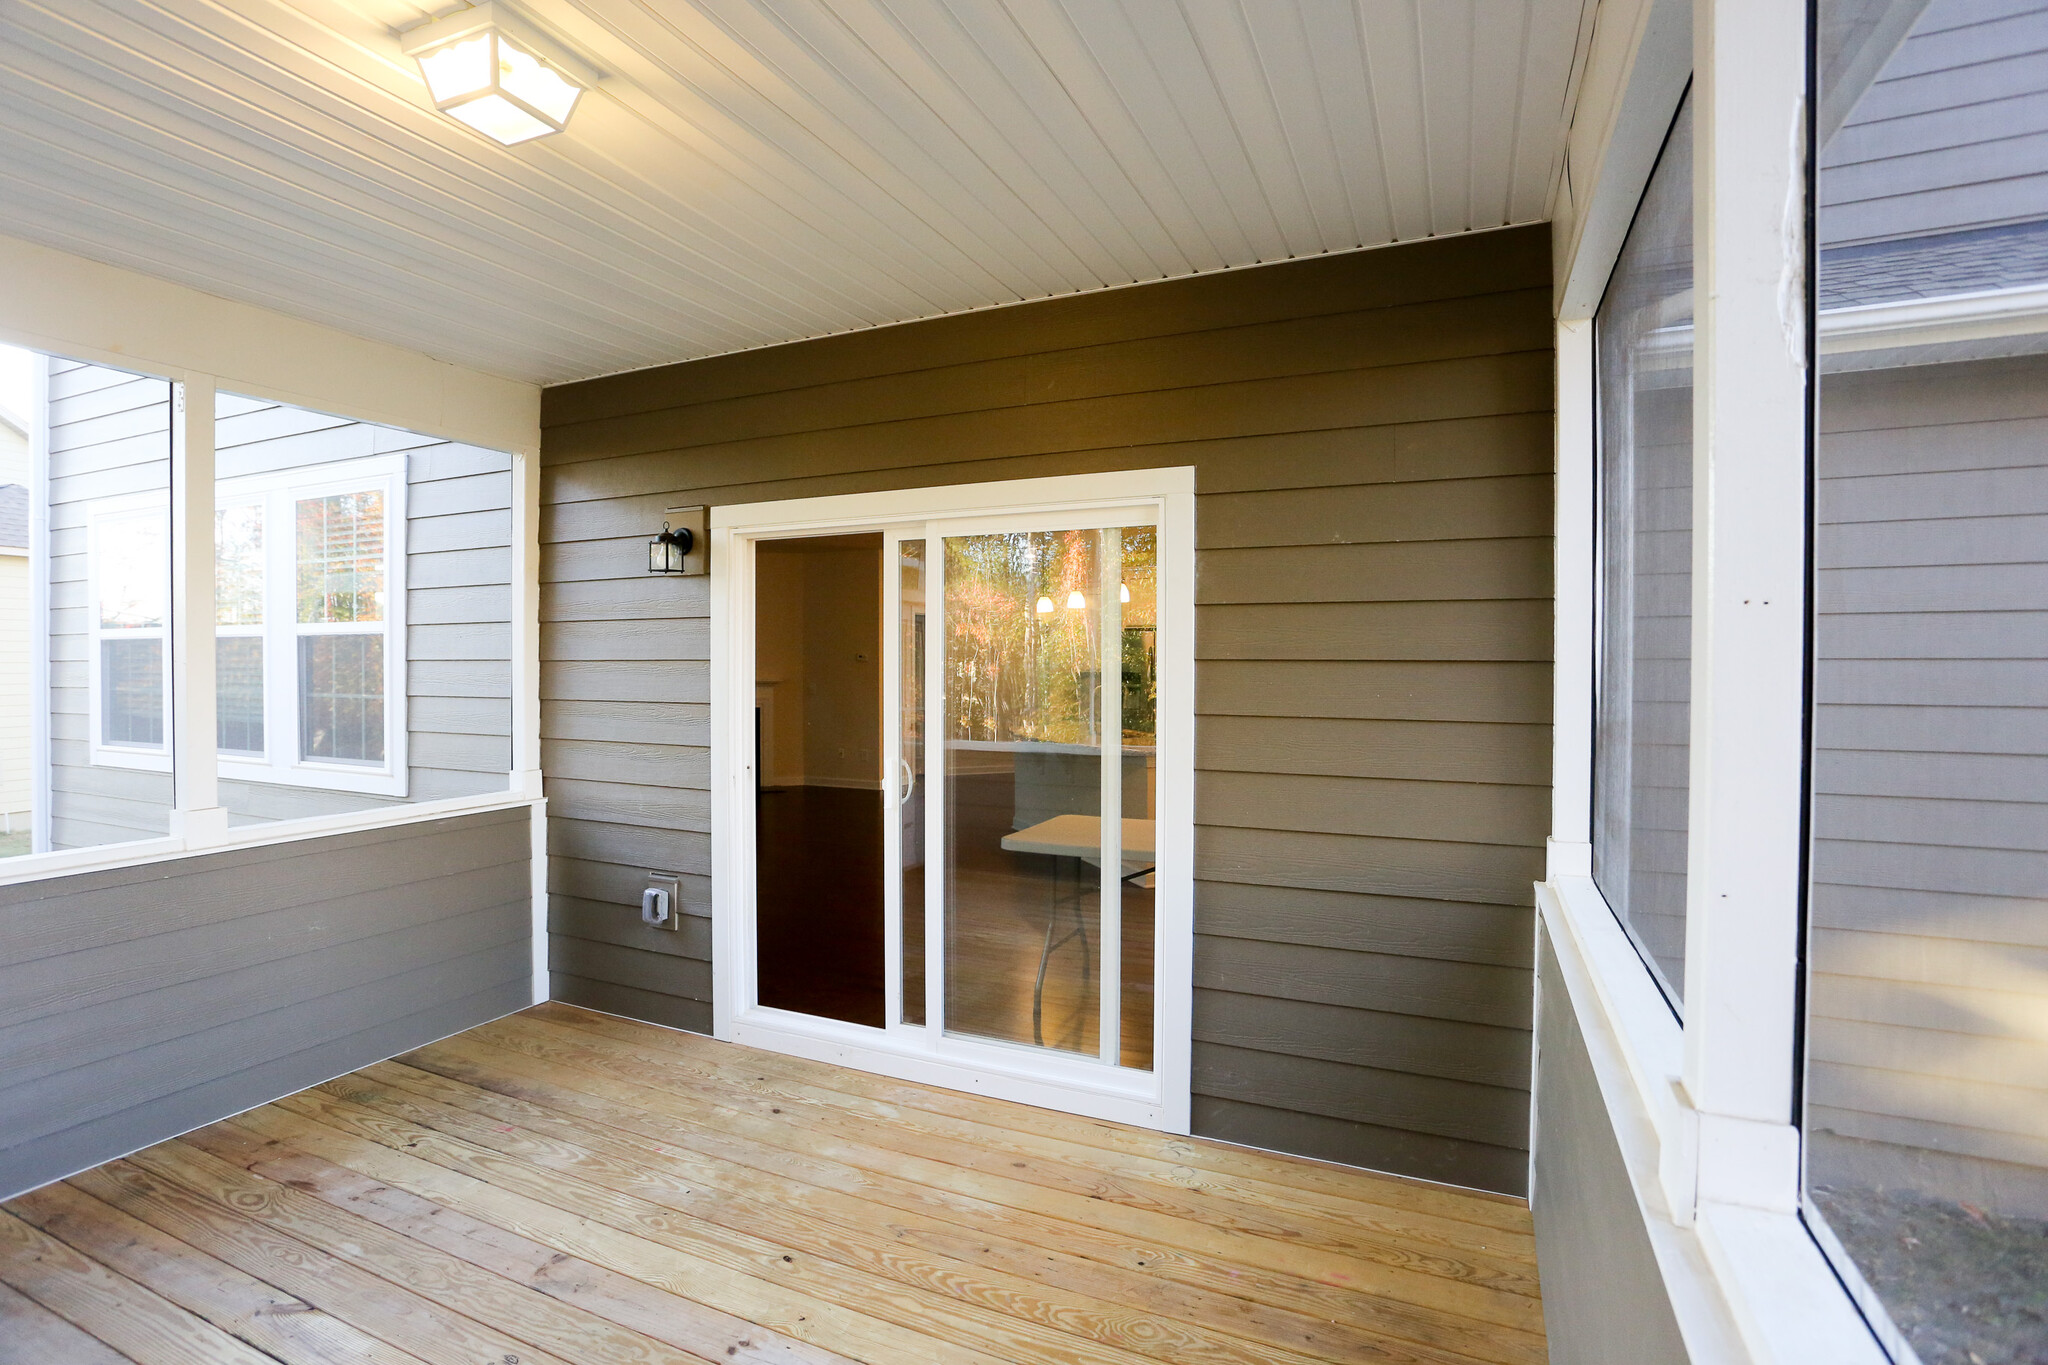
669 551
497 73
681 545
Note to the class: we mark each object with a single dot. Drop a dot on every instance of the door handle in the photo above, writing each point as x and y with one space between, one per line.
909 782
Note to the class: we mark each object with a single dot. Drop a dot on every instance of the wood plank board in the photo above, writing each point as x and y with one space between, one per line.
564 1186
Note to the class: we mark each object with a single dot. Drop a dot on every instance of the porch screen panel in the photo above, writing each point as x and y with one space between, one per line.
362 613
1927 1005
1643 339
102 567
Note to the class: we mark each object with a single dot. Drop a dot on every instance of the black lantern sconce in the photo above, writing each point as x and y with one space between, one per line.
684 544
669 552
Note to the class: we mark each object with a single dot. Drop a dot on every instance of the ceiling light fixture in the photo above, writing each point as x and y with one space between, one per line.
497 73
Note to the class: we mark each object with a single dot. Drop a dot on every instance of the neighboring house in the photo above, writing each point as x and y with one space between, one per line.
17 785
362 610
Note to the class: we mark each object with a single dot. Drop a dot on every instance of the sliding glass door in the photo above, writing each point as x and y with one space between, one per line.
1022 777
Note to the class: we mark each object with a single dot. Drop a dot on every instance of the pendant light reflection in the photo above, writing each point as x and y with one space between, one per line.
1076 602
1045 606
479 72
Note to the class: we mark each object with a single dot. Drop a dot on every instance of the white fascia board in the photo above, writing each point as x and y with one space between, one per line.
1637 66
1979 316
82 309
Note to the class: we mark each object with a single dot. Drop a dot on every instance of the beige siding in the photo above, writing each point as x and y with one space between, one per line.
1372 440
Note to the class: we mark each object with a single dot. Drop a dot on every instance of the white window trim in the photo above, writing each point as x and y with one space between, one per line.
1161 1099
1702 1111
101 516
281 763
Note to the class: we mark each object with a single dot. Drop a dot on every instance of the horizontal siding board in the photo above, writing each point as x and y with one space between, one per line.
662 973
1462 811
673 1011
643 765
1444 751
1471 992
621 926
1376 689
628 722
1495 1115
1405 1043
1421 571
1439 510
1508 631
1450 931
1482 386
1373 1146
673 850
1488 873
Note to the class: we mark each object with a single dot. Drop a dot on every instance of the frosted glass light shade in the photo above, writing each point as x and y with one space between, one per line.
497 117
491 82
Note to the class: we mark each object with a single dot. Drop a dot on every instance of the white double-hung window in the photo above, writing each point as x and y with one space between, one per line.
128 619
309 628
309 603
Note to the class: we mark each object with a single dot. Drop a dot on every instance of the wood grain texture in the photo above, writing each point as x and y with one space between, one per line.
567 1186
1371 440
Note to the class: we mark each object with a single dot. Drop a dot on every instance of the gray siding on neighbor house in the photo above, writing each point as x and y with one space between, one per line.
139 1002
109 435
1372 439
1604 1301
1931 763
1952 134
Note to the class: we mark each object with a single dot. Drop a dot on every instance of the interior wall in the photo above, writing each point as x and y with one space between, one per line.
1372 435
779 666
842 668
141 1002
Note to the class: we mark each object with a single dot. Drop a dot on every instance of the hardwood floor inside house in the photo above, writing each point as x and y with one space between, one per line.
568 1188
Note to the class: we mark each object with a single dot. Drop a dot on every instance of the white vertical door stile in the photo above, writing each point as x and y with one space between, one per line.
936 780
1109 713
896 781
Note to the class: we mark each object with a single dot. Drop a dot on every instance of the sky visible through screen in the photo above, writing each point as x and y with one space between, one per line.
17 382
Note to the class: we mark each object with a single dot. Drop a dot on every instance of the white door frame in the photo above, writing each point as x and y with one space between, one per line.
1157 1099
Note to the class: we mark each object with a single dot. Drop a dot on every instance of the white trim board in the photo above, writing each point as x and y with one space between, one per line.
1161 1098
81 309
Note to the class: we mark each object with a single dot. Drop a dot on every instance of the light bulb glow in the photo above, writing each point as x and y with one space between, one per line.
1045 606
1075 602
1123 592
460 69
500 119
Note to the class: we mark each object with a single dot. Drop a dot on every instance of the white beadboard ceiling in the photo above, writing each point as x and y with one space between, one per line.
756 171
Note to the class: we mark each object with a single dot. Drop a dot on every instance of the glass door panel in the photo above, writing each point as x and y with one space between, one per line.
1138 609
910 778
1048 691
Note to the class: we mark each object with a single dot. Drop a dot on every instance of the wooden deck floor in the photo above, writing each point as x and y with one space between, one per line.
566 1188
